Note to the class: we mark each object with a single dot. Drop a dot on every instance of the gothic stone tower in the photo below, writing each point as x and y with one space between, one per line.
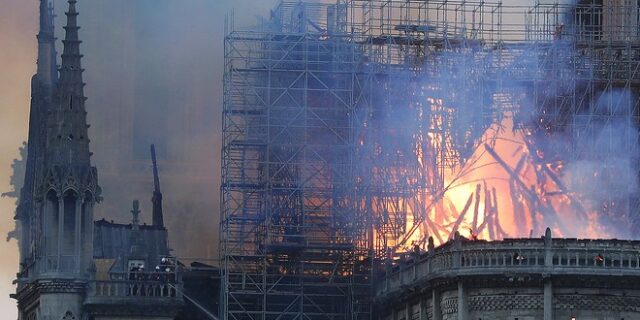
61 187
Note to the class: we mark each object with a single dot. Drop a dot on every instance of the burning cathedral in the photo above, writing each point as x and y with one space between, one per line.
383 159
432 160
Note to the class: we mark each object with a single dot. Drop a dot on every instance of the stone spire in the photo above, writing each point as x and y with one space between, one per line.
43 86
43 89
71 70
68 183
68 141
47 73
156 200
61 187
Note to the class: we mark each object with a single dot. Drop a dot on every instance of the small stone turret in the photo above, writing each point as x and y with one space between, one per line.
135 250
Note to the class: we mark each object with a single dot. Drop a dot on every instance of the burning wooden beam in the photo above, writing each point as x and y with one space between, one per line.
529 194
476 207
516 203
577 206
488 213
499 230
423 217
436 232
461 216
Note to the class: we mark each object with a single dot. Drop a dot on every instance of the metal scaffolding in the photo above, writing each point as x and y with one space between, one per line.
290 235
346 125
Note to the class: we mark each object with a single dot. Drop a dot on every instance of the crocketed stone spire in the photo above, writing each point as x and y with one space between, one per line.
43 88
68 143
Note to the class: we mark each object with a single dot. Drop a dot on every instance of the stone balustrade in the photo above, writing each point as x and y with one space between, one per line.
135 295
135 288
544 256
152 287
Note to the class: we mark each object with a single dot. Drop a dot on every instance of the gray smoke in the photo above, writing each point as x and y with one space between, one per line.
153 73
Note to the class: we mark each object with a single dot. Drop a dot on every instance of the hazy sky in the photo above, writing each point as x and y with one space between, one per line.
18 27
204 23
17 61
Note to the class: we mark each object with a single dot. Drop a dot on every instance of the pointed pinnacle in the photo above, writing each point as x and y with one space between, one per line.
45 17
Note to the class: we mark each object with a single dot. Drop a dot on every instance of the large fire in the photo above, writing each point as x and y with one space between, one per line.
505 188
444 149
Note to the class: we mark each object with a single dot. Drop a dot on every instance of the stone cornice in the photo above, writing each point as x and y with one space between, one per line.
531 259
30 292
134 306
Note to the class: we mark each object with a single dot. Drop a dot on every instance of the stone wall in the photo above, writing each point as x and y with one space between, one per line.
521 304
523 279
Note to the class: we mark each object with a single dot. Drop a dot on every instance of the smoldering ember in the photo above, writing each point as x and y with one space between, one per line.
381 159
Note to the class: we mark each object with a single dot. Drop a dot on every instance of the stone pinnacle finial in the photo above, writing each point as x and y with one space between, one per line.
71 69
430 246
457 240
547 237
45 18
135 249
136 213
47 68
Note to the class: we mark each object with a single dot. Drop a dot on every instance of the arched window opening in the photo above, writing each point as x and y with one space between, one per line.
52 217
69 226
87 225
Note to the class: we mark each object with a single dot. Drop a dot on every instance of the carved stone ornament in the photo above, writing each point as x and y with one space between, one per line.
68 316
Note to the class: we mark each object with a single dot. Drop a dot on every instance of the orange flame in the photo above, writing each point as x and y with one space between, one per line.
503 190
